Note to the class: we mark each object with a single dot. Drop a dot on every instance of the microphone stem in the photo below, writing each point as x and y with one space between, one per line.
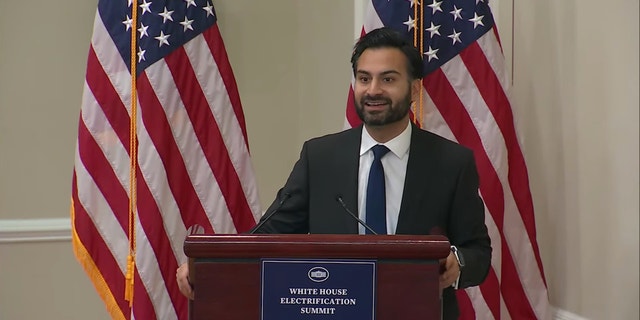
354 216
268 216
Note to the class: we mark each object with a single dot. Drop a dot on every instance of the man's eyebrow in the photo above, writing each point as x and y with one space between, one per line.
382 73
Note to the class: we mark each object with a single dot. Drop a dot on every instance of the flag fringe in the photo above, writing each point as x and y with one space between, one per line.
89 266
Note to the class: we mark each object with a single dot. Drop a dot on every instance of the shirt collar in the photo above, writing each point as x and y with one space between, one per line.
398 145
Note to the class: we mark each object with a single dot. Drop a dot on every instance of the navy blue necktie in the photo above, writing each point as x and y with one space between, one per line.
376 203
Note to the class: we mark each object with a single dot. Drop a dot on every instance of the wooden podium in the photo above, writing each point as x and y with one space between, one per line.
225 270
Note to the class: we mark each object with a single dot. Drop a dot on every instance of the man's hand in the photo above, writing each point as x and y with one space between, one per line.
450 271
182 275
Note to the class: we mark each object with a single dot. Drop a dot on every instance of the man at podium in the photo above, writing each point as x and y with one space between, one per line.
391 175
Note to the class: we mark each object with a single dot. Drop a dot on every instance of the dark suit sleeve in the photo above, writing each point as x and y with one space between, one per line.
293 214
467 229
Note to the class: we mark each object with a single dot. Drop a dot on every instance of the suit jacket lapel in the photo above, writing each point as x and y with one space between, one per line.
420 175
348 164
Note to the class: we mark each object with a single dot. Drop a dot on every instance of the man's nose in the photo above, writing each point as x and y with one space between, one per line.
375 87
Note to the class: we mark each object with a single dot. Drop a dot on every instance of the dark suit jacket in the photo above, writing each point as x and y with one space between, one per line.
440 197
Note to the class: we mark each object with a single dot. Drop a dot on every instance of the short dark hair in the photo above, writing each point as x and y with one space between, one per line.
389 38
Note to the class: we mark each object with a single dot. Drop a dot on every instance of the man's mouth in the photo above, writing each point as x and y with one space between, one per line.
376 104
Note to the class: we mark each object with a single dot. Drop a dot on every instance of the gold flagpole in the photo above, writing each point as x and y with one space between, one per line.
133 155
418 42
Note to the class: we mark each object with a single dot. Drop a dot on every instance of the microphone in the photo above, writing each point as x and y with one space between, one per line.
268 216
344 206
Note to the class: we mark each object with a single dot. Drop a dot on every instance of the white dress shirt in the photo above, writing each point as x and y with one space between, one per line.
395 170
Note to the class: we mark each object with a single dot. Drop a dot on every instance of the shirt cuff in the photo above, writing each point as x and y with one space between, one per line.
456 283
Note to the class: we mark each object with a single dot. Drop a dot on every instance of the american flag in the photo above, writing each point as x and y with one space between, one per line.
183 146
466 99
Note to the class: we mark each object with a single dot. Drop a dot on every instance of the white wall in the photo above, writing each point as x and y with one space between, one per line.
575 66
292 84
576 85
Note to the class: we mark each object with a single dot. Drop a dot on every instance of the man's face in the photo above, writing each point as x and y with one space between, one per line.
382 90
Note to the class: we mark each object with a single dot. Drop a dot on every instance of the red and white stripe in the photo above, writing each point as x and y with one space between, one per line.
466 101
194 169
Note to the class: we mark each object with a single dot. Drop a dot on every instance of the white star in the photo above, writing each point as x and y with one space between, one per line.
456 13
141 54
209 9
127 23
190 3
477 20
129 3
414 2
410 23
143 30
435 6
186 24
431 54
162 38
479 1
455 36
145 6
433 30
166 15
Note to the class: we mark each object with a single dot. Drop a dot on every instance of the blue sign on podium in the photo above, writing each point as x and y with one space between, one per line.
318 289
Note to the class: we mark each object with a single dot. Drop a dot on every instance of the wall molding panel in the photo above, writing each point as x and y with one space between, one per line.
560 314
59 229
35 230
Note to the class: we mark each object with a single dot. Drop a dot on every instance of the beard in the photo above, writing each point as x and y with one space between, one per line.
393 113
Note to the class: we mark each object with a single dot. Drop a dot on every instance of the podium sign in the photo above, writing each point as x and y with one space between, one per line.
228 275
318 289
